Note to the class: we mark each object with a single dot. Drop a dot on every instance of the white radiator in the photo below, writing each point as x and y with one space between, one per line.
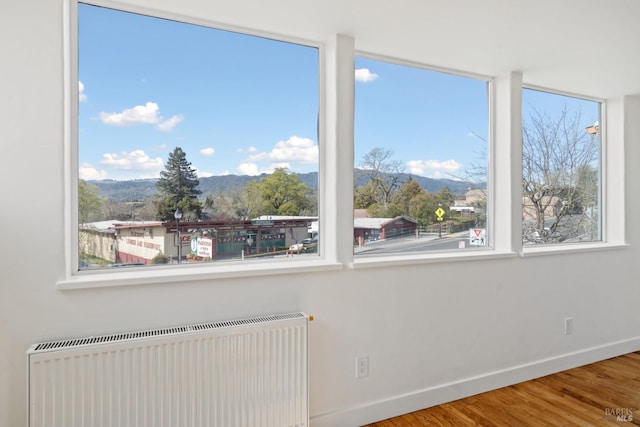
249 372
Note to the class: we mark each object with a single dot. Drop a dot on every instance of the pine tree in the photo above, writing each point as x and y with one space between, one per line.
178 188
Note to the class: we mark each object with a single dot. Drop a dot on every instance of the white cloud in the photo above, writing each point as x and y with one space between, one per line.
134 160
253 170
294 149
251 149
86 171
169 124
250 169
148 113
203 174
81 95
141 114
275 166
208 151
435 167
363 75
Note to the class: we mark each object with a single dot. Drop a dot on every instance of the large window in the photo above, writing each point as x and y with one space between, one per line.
195 144
560 169
421 160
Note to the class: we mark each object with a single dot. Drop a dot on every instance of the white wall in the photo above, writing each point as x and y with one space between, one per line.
433 332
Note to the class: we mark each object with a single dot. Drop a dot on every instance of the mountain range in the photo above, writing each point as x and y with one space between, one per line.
139 189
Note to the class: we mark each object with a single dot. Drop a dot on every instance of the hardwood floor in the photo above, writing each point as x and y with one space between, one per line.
605 393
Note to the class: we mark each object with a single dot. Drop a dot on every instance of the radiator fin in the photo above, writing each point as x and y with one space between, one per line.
55 345
245 373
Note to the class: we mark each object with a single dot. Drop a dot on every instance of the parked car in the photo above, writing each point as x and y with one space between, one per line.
126 264
309 245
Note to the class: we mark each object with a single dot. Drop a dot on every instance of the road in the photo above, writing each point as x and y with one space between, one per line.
456 241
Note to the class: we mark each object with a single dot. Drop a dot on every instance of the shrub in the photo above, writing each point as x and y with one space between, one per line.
160 259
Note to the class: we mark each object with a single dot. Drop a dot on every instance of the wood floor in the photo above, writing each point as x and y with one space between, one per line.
605 393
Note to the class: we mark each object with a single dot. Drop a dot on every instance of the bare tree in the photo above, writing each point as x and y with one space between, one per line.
232 204
559 176
384 173
476 172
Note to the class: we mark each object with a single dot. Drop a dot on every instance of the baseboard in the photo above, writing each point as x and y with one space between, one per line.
397 405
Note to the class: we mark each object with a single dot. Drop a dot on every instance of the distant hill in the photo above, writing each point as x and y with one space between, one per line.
139 189
430 185
120 191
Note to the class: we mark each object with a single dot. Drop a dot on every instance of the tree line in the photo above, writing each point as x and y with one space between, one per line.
388 193
280 193
560 188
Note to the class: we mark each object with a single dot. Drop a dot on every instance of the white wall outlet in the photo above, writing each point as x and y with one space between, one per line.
568 326
362 366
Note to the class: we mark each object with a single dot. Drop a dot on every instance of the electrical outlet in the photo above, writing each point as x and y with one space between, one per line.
568 326
362 366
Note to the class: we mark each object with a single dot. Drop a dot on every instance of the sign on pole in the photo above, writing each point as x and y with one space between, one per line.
205 247
477 237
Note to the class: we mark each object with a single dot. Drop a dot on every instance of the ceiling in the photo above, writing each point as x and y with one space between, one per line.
586 47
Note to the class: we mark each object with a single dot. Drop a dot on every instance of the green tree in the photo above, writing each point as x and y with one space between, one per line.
364 196
178 188
89 203
281 193
423 207
446 197
403 197
379 210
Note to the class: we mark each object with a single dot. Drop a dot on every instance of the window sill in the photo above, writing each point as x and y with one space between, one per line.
570 248
441 257
188 273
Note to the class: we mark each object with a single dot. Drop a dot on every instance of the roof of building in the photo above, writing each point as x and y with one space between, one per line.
112 224
285 217
376 223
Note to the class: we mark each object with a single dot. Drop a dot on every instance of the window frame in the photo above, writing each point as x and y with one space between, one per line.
335 170
495 249
603 188
73 278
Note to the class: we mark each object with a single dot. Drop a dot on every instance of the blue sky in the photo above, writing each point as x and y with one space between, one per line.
238 104
553 104
435 123
148 85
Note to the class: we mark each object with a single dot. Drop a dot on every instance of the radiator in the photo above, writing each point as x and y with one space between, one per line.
249 372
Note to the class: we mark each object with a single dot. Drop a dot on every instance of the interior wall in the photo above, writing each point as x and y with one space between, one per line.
433 332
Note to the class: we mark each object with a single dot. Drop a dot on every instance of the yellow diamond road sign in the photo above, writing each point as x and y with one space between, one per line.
440 212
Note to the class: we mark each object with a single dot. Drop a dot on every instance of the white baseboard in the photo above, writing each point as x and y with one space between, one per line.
397 405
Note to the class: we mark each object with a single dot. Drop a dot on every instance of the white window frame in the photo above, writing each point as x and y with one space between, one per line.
612 228
498 247
335 140
74 279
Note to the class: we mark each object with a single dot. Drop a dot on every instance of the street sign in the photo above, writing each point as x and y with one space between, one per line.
440 212
204 247
477 237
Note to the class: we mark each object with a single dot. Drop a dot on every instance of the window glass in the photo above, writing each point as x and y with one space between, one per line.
560 169
421 159
194 144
